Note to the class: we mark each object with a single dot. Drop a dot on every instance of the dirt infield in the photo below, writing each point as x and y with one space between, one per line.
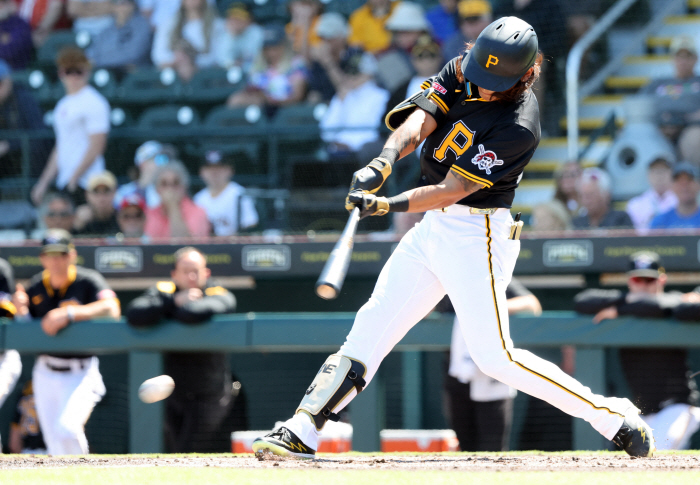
453 461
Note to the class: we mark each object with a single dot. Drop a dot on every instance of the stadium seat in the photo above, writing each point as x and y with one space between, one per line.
213 85
37 82
120 118
46 55
150 86
169 116
251 148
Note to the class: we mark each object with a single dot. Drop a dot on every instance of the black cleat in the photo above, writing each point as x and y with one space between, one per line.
283 442
635 437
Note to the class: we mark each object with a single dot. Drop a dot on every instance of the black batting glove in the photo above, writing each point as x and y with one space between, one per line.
369 179
369 204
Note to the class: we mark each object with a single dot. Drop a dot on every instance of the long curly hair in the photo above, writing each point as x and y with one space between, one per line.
515 93
208 15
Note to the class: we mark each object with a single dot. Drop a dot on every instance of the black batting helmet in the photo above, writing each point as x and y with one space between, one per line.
501 55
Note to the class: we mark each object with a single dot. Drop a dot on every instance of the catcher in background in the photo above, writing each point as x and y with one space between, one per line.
480 122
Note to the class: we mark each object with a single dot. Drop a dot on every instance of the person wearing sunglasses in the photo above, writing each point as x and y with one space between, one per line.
595 194
81 123
473 17
177 215
657 378
98 217
132 215
56 212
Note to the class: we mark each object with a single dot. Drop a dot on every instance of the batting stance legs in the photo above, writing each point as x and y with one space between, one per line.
468 256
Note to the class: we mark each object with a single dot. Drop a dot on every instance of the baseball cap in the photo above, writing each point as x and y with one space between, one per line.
685 168
5 70
331 25
56 241
645 264
660 161
425 46
238 10
147 151
683 43
273 35
217 157
105 178
133 199
407 16
355 61
473 8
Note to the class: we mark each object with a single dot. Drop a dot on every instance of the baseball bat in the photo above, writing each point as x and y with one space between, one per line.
333 275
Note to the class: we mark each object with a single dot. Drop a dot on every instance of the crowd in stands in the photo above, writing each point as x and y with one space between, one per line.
359 66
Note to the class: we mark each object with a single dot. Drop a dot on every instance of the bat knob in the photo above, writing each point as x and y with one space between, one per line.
326 291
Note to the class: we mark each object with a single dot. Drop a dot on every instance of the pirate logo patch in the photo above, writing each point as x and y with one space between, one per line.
486 159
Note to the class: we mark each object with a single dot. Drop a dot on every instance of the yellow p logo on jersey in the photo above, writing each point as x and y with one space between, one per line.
492 61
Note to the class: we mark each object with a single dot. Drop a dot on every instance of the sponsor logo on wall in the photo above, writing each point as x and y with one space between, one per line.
567 253
266 258
118 260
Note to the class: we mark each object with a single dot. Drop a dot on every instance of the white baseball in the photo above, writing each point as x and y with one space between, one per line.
156 389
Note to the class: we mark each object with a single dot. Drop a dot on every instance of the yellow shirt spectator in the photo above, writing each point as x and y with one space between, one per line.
367 31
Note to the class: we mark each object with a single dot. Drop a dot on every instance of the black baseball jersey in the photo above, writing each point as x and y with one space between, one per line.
84 286
487 142
7 287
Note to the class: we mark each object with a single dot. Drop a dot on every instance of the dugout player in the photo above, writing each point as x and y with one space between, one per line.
203 397
66 386
480 122
10 362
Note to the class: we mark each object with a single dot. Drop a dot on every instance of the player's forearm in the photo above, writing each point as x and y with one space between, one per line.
524 304
411 133
450 191
51 169
108 307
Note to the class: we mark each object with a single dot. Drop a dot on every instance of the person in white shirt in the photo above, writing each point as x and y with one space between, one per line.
242 41
228 208
91 16
196 22
659 198
81 124
161 12
358 103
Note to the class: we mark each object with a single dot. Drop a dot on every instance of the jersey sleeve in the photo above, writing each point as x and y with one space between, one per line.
444 89
494 156
97 117
98 287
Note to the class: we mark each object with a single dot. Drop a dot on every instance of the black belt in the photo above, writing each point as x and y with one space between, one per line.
54 368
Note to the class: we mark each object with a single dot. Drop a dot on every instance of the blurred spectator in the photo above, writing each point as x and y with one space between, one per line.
148 158
474 16
678 100
356 112
686 214
126 43
204 395
197 23
551 216
367 29
57 212
658 199
228 208
98 217
658 378
81 123
16 46
131 215
19 111
481 408
185 61
242 42
177 215
427 62
566 178
443 19
91 16
25 431
161 12
44 16
594 193
407 23
301 29
278 77
325 75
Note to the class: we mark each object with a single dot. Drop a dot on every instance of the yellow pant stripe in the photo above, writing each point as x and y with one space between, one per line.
500 330
471 177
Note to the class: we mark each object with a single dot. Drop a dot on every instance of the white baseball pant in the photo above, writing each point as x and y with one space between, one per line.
469 257
64 401
10 370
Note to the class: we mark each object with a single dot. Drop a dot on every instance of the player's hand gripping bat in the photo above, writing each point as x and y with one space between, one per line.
333 275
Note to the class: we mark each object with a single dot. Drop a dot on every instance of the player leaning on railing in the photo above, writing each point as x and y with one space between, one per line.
480 122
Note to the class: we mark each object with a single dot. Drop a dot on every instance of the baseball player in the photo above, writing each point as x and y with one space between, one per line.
10 362
66 386
480 122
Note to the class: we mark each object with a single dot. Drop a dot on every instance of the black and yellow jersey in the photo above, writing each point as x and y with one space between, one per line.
7 287
487 142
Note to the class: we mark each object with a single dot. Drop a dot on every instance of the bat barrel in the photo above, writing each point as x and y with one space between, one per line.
332 277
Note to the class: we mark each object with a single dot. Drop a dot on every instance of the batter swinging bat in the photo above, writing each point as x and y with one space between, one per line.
333 275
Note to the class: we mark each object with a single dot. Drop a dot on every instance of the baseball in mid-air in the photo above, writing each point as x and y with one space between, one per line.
156 389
